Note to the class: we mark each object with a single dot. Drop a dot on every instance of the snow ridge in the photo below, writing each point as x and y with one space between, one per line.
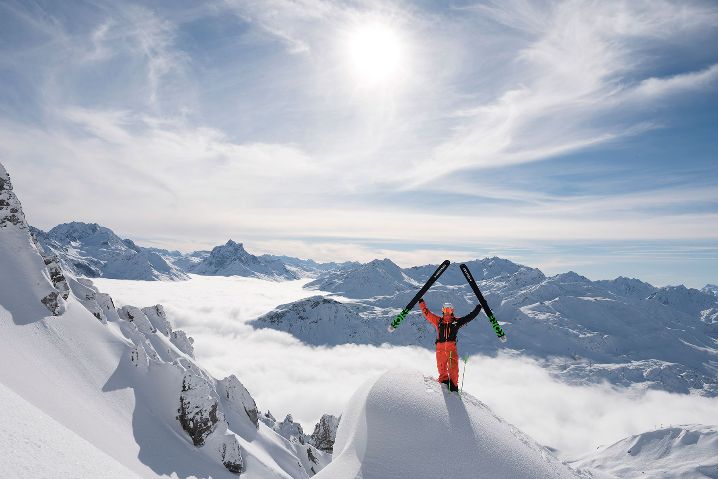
406 425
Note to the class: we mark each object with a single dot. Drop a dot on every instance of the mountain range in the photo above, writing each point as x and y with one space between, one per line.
92 251
624 331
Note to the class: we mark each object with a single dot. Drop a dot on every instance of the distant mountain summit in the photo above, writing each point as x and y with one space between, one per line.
91 250
231 259
376 278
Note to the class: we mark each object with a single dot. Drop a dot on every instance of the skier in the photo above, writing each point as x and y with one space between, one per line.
447 326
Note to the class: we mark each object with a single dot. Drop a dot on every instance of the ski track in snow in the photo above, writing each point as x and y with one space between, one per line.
287 376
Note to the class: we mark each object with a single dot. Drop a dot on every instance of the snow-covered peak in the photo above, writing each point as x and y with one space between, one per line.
688 300
710 289
376 278
79 231
628 287
686 452
232 259
91 250
406 425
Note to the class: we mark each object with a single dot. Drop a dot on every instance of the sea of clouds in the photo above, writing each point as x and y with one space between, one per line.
286 376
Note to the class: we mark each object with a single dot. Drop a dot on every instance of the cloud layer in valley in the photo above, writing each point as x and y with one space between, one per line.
286 376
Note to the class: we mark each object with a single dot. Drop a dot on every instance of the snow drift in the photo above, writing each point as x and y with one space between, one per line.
406 425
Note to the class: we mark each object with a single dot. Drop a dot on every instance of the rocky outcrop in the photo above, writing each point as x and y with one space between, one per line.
238 398
231 455
158 318
325 432
183 342
198 410
10 209
13 218
290 429
87 294
135 315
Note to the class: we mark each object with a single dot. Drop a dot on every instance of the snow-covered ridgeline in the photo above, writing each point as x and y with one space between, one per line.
91 250
686 452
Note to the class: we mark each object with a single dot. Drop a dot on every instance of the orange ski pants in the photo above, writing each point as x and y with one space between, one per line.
447 361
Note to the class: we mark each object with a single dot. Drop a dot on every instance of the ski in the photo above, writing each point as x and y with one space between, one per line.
432 279
492 319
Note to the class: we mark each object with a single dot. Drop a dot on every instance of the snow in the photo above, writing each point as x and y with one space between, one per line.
685 452
406 425
33 445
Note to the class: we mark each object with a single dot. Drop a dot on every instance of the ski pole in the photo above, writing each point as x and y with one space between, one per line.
463 375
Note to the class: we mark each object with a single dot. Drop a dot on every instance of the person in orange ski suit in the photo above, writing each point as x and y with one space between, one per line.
447 327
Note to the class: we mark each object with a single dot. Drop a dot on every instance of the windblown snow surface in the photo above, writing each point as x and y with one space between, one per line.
406 425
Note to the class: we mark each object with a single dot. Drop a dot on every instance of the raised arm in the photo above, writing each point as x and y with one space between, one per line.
469 317
431 317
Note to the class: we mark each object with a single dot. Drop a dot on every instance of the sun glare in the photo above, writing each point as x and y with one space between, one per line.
375 54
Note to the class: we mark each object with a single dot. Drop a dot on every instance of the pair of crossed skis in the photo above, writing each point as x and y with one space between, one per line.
430 282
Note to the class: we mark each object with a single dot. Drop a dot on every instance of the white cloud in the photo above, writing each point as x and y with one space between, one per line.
656 87
286 376
572 75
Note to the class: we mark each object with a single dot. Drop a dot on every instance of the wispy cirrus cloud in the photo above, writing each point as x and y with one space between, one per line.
514 121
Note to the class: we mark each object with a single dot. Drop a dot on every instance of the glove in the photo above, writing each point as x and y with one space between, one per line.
503 338
391 328
421 301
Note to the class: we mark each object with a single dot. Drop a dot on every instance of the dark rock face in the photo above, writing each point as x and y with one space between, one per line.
10 209
325 433
53 303
232 456
198 408
239 398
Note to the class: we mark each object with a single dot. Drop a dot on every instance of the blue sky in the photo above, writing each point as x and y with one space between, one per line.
566 135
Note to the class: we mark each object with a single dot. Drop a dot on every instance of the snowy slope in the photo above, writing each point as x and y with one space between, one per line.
92 250
710 288
232 259
405 425
624 331
34 445
120 385
685 452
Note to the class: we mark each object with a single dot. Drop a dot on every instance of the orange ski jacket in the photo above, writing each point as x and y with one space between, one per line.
447 327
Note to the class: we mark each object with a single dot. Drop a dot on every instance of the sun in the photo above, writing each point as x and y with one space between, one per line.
375 54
